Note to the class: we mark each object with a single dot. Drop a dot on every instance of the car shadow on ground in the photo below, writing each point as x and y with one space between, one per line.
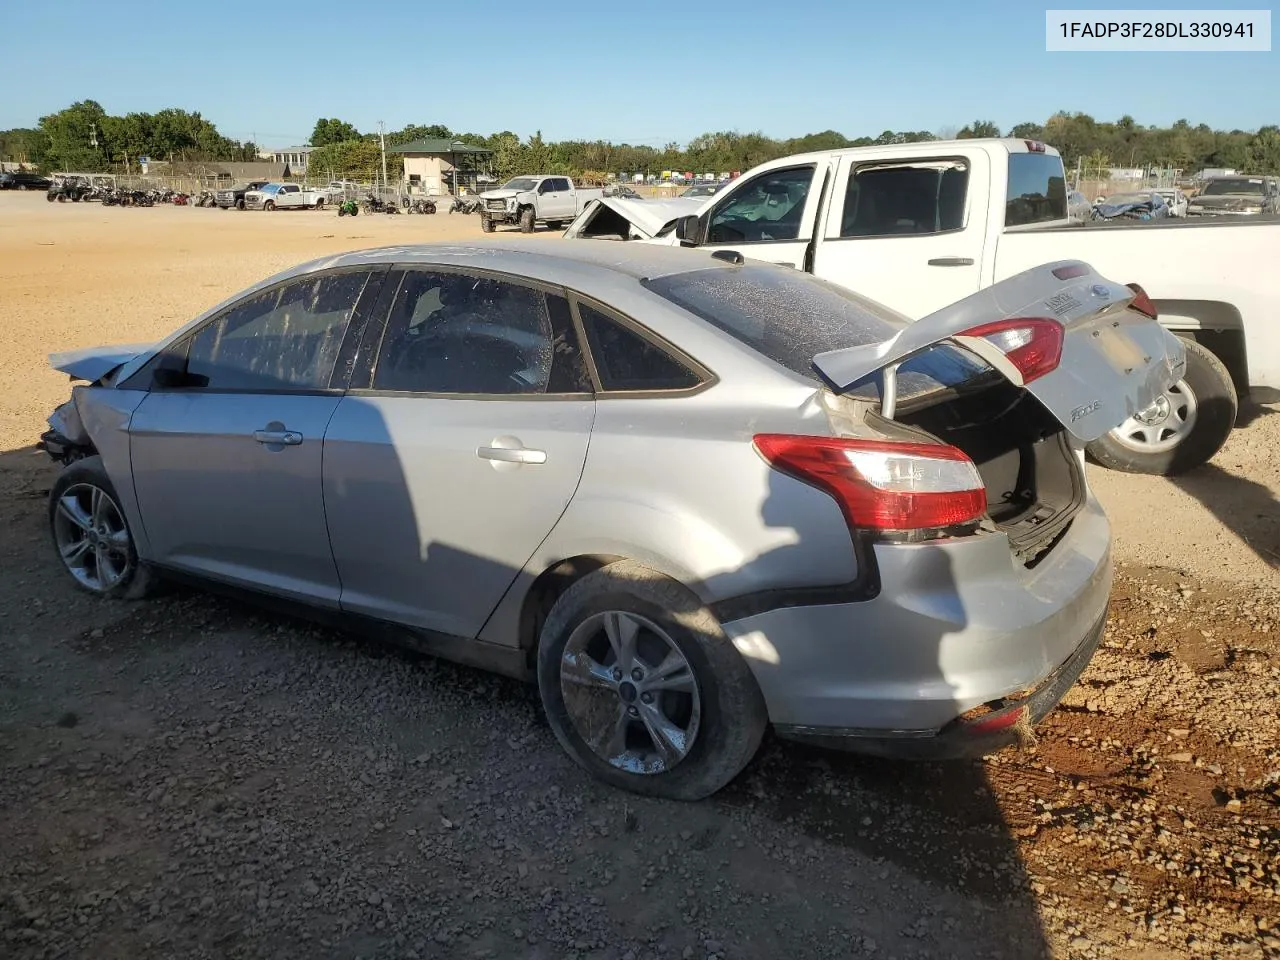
941 823
1247 508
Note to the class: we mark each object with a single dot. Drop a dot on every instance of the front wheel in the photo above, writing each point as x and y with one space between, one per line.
642 687
92 536
526 220
1184 428
487 225
269 205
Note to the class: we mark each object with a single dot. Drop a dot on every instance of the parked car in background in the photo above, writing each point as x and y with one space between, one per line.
234 196
704 189
1235 196
1147 205
284 196
1078 206
681 506
1176 200
528 201
23 180
916 226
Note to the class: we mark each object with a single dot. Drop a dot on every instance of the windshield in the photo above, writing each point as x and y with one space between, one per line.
520 183
1218 188
790 316
703 190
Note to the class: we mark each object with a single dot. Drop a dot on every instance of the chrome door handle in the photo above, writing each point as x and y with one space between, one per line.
512 454
284 438
951 262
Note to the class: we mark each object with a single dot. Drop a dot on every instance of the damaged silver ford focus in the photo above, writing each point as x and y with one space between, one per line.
691 496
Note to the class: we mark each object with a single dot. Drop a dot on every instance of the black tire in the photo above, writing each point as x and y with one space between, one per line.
1207 384
269 205
137 579
62 198
50 197
239 204
487 224
526 220
555 224
732 717
342 212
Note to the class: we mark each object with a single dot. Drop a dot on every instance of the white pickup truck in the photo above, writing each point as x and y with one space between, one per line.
532 200
918 226
284 196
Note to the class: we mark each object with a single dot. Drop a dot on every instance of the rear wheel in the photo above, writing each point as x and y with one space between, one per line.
1184 428
643 689
555 224
320 204
92 536
526 220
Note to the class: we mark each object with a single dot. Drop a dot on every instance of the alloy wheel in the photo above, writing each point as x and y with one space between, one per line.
92 537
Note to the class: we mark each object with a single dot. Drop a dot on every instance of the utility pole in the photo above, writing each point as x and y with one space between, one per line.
382 137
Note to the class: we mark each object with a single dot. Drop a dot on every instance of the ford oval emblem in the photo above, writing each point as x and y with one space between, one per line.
1100 291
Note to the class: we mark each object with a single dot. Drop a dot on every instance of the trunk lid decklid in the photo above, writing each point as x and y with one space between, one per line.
1115 361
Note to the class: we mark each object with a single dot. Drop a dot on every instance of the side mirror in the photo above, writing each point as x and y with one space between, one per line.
689 231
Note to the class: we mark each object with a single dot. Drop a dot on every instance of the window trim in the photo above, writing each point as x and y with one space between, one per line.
838 222
707 377
141 379
813 196
368 362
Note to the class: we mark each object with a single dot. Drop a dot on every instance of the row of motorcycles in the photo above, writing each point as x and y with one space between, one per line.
78 190
375 204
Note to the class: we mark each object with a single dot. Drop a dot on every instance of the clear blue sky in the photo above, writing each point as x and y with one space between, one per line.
858 66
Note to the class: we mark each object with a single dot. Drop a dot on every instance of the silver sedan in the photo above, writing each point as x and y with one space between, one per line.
691 496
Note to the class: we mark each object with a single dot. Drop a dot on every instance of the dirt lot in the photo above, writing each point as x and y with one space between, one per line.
192 778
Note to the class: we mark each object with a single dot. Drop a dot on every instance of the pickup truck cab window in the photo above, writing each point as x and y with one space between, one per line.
547 186
769 207
912 197
1037 190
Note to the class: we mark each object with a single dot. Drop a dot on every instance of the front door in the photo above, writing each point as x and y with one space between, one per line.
908 233
768 216
443 476
226 447
557 202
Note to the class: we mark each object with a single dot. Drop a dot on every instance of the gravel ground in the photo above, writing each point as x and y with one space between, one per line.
192 778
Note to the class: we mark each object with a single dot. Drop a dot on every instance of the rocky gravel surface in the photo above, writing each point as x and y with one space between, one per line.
193 778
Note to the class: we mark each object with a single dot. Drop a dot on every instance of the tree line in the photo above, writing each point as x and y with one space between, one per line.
84 136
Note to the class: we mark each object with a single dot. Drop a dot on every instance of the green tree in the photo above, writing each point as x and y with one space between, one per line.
332 130
979 129
71 134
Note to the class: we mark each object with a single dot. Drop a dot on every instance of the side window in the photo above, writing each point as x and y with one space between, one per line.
626 361
767 207
564 185
547 186
1037 189
455 334
920 197
284 339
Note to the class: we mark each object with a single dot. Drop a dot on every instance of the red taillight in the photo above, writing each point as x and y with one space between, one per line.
1142 303
882 485
1032 344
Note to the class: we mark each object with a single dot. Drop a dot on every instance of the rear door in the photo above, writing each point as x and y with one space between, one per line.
1109 361
457 449
768 216
908 233
226 447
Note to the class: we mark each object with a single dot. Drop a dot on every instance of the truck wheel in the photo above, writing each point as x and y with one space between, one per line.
555 224
1184 428
239 204
643 689
319 204
526 220
487 225
269 205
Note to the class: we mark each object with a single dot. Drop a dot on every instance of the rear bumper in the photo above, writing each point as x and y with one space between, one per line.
958 638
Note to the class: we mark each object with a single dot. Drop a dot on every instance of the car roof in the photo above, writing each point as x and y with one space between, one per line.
570 262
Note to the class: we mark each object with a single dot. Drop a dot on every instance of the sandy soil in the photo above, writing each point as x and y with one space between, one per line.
192 778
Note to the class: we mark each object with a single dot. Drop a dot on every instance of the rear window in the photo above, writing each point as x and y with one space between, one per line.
789 316
1037 189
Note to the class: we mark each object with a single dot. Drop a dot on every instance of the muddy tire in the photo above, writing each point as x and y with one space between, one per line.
1185 428
92 536
269 205
487 225
239 204
643 689
526 220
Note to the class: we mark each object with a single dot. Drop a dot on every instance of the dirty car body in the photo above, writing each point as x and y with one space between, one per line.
692 497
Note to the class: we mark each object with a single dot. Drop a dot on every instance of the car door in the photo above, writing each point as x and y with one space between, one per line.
908 233
768 216
449 466
226 447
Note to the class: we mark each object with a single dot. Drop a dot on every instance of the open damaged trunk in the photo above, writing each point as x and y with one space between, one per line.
619 218
1019 377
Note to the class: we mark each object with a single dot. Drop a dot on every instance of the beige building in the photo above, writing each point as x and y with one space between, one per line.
439 166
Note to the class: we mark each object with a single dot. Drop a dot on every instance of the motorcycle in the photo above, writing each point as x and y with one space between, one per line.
206 199
465 205
181 199
420 206
348 208
374 204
